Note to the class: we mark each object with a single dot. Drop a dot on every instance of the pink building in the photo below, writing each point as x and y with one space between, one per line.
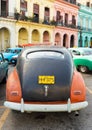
66 16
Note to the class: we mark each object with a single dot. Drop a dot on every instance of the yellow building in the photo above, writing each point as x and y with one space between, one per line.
26 22
38 21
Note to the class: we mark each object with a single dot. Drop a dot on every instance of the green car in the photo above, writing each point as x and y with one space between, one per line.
82 58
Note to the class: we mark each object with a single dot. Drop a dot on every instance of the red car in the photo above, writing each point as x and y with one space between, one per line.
45 80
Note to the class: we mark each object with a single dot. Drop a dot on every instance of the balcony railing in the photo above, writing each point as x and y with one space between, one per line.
3 14
84 29
72 1
20 17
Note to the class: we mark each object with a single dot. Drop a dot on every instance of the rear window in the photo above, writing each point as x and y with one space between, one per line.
45 54
87 52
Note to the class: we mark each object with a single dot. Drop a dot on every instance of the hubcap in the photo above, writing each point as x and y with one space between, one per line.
83 69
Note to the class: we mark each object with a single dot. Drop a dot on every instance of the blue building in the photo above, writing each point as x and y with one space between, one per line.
85 26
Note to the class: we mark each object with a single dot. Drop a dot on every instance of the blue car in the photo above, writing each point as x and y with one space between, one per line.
10 52
3 69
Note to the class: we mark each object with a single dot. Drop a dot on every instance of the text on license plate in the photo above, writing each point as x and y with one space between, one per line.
42 79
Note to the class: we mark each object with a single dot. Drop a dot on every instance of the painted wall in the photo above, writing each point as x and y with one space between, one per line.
17 29
11 7
85 24
66 7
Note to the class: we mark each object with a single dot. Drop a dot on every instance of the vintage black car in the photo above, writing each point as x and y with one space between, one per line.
3 69
45 80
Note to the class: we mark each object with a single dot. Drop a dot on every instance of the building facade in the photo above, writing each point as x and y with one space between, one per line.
66 31
26 22
85 26
38 21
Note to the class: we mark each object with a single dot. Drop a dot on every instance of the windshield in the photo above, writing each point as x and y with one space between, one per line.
87 52
9 51
13 51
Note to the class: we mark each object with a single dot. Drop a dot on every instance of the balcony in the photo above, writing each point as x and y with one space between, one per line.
20 17
84 29
72 1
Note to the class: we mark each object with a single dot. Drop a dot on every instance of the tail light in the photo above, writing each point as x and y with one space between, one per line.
13 87
78 89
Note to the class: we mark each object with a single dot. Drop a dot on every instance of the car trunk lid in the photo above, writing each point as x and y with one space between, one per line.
46 79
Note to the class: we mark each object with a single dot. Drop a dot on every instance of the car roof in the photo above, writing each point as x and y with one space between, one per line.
81 49
34 48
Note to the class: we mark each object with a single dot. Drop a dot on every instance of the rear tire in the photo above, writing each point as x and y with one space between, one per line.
83 69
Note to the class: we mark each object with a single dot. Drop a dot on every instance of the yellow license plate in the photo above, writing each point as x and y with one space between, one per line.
42 79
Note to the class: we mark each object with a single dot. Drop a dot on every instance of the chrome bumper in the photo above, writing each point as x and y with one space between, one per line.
46 107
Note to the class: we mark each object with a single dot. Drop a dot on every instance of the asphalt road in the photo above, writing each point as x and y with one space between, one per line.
12 120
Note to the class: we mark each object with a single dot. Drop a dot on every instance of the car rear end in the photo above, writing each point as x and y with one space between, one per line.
42 81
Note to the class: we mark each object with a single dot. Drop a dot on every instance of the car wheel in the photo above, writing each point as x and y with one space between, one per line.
83 69
13 62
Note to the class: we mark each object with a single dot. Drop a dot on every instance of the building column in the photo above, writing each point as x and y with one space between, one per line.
52 38
2 40
41 15
76 41
83 41
13 40
61 39
84 22
88 41
16 35
69 18
0 7
29 36
68 42
41 36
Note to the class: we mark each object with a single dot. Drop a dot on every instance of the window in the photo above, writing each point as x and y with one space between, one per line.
36 13
66 18
59 18
46 54
46 15
88 4
73 20
76 52
23 7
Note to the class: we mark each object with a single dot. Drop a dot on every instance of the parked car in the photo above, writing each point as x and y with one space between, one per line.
82 58
45 80
10 52
3 68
